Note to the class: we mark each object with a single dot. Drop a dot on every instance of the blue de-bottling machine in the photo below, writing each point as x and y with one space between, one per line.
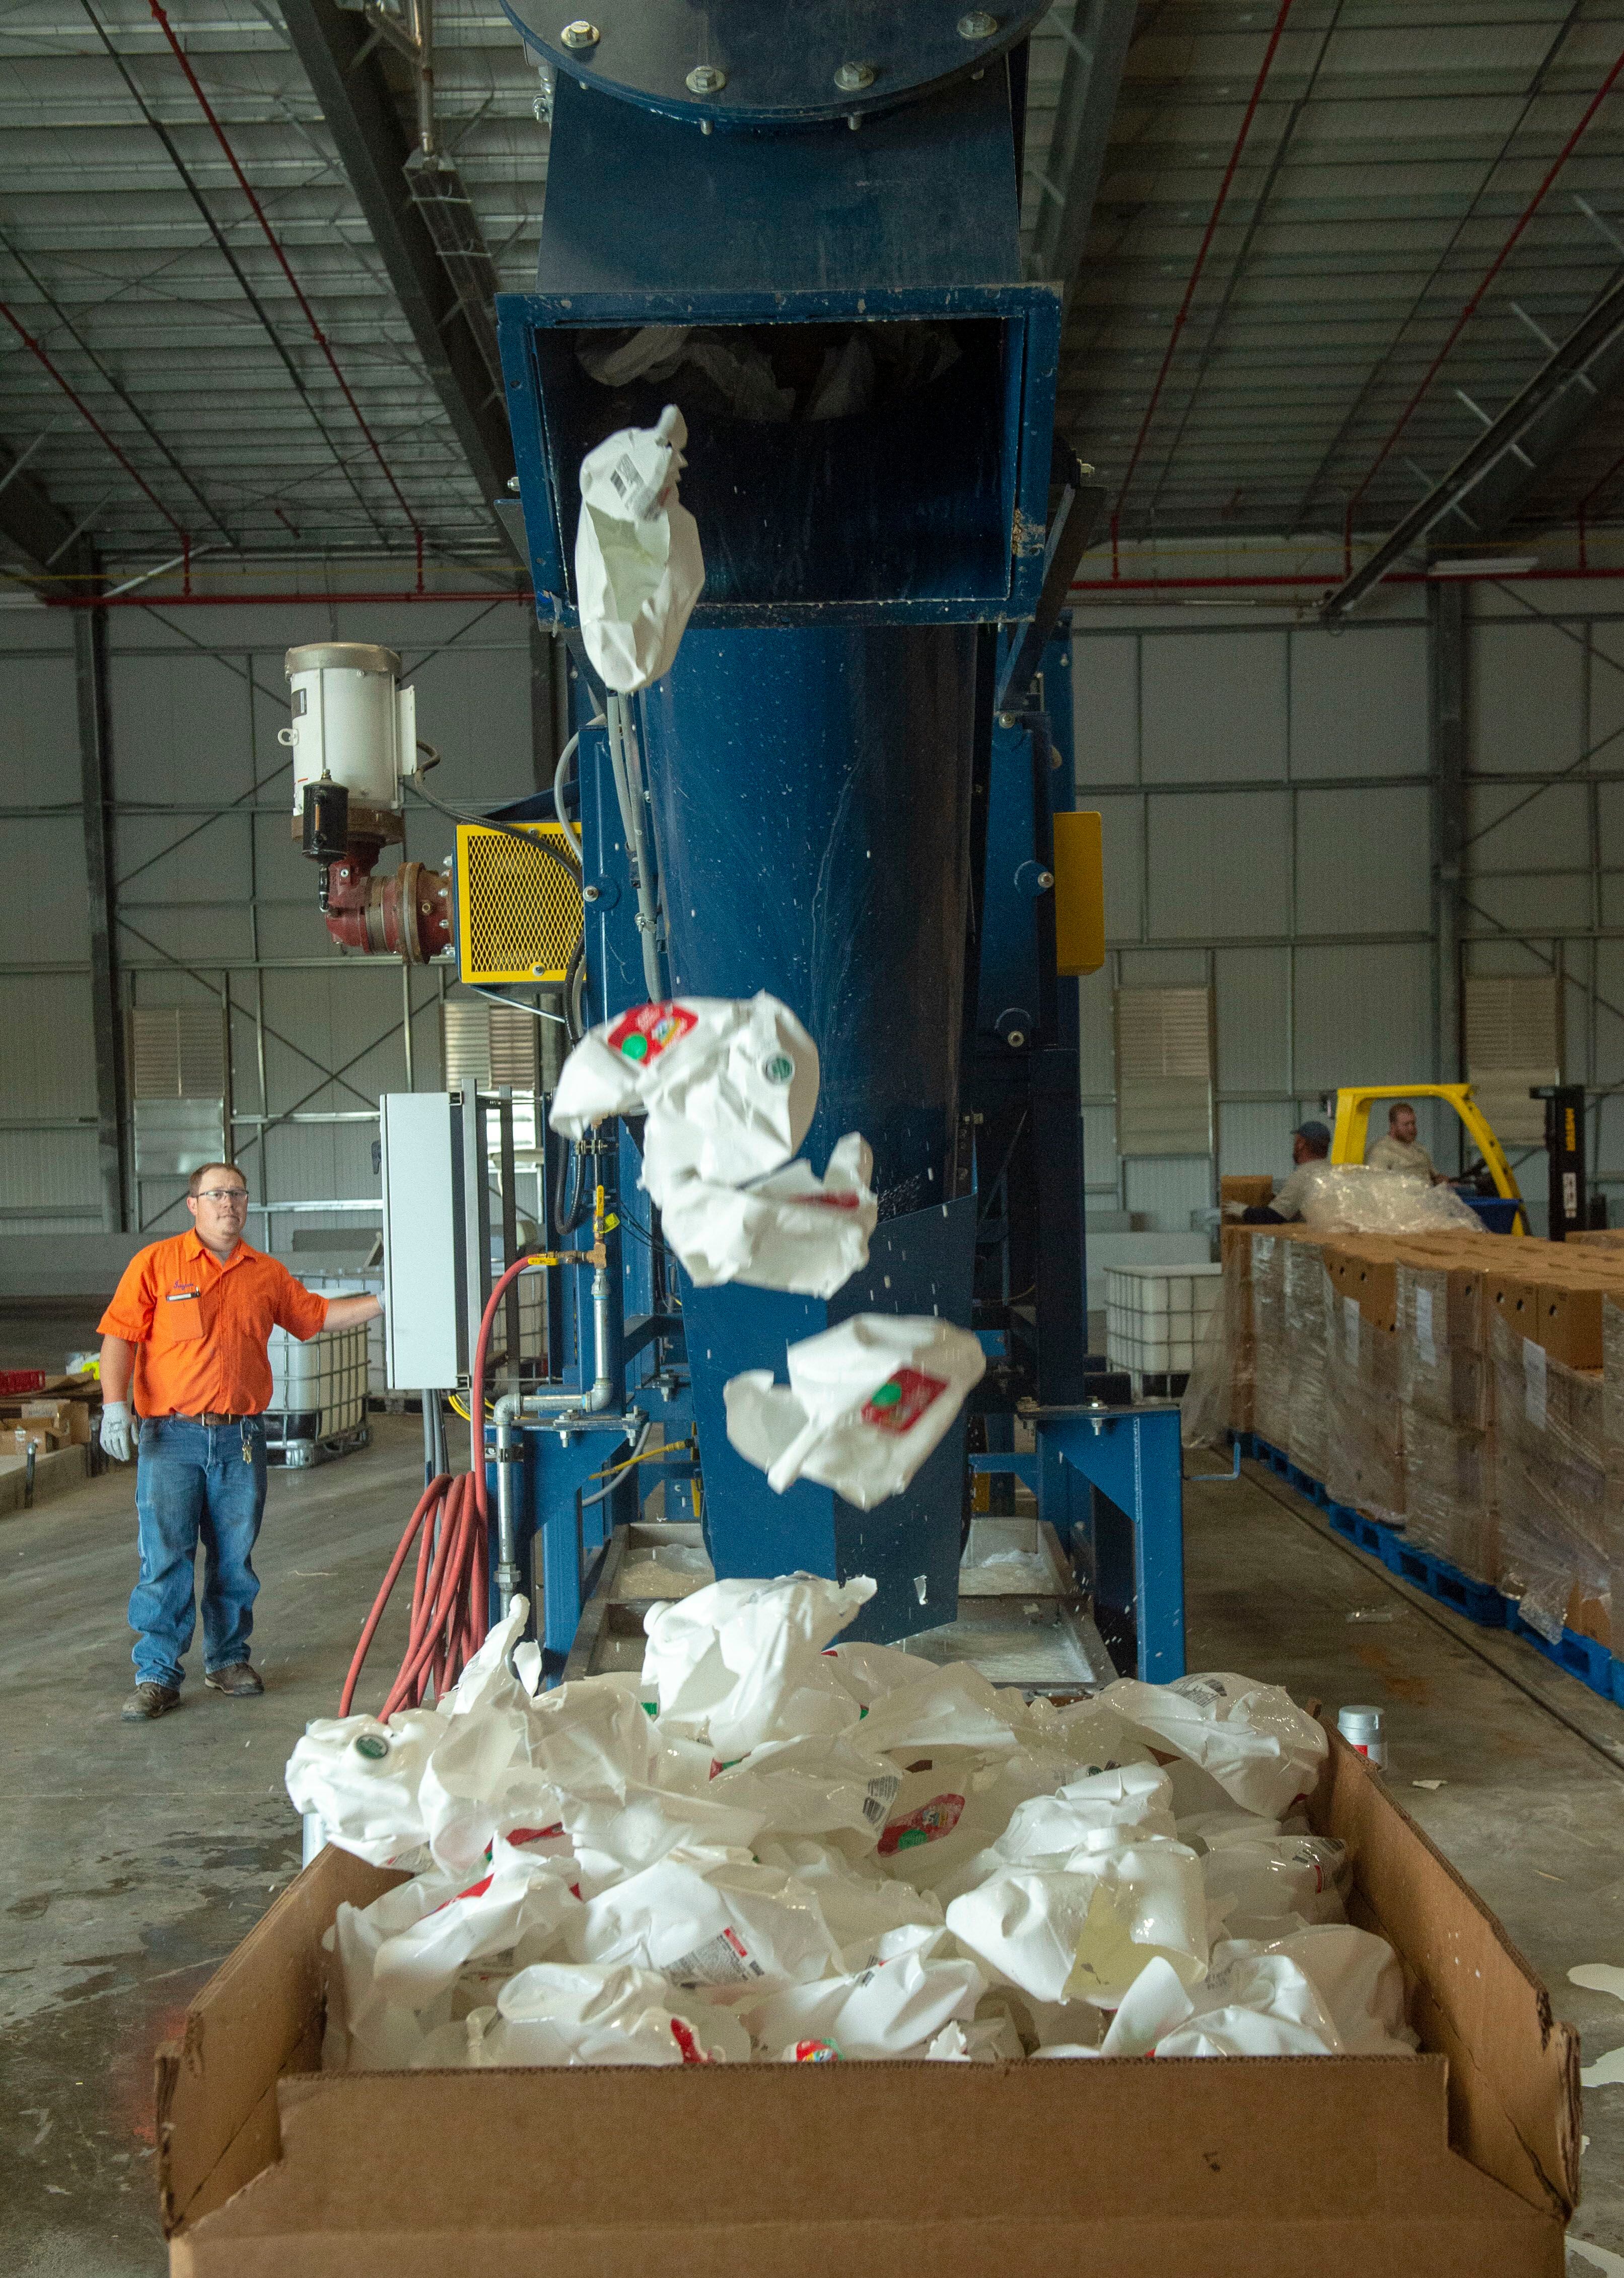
852 789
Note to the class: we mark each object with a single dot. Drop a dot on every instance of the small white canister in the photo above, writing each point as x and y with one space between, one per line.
1360 1727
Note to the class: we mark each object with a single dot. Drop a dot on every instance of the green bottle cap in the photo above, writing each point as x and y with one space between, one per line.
371 1745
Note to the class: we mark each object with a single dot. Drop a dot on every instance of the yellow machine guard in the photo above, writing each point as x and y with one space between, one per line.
518 917
1079 894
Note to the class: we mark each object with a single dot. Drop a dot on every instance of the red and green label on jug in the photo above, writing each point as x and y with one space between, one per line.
898 1403
648 1030
928 1824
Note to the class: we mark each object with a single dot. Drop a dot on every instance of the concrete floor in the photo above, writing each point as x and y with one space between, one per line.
134 1858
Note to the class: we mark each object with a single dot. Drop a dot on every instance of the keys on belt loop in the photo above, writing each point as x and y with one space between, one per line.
248 1451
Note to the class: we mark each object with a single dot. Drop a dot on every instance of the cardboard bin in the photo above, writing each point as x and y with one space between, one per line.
1464 2159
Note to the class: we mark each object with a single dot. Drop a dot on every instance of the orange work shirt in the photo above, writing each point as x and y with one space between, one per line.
201 1328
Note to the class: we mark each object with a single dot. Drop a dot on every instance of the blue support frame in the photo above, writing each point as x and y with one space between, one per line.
1131 1522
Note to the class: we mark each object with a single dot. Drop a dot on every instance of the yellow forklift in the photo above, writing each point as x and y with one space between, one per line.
1504 1211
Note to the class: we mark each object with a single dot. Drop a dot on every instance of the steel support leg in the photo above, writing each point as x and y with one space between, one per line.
1131 1457
95 793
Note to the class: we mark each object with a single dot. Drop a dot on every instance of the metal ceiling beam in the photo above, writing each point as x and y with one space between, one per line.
1096 39
1514 450
32 523
346 75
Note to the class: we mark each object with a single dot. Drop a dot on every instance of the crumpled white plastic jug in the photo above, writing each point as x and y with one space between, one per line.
1326 1992
790 1230
708 1918
1084 1931
1261 1748
639 565
582 2012
729 1086
740 1663
868 1402
887 2009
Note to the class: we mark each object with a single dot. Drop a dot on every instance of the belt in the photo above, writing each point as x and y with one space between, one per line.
211 1416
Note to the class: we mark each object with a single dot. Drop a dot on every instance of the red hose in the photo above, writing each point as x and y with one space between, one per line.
450 1596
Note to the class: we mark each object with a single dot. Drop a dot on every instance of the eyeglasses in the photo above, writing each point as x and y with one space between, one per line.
223 1195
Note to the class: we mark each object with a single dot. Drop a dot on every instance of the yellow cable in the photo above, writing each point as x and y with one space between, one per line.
649 1456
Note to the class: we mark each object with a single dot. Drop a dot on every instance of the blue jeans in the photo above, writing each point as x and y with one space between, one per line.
196 1482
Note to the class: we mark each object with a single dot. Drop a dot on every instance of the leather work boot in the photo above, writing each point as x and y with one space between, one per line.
240 1681
148 1702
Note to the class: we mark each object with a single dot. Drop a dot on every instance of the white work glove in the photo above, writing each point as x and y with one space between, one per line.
1235 1210
119 1430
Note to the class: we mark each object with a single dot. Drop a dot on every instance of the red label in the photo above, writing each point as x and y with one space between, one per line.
474 1891
928 1824
900 1403
817 2052
828 1202
682 2033
648 1030
536 1834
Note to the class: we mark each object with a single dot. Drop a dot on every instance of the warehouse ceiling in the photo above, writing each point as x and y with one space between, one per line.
1329 239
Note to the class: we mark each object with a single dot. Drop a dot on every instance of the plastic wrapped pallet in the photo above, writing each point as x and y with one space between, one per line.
1272 1359
1363 1419
1304 1331
1218 1398
1449 1492
1551 1486
1613 1434
1443 1367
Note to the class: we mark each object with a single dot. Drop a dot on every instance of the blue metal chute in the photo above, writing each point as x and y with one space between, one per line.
835 816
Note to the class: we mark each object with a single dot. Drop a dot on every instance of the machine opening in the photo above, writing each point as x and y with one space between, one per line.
827 462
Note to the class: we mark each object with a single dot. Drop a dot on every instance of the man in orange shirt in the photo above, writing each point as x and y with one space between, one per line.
192 1319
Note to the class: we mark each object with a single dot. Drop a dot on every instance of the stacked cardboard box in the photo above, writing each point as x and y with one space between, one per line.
1304 1359
57 1415
1364 1432
1446 1390
1271 1392
1455 1388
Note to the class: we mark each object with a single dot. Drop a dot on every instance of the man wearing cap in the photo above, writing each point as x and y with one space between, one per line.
191 1320
1310 1146
1399 1150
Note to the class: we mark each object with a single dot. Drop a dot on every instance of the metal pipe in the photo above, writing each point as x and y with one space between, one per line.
508 1452
424 13
1472 306
630 801
560 1406
559 774
280 256
460 594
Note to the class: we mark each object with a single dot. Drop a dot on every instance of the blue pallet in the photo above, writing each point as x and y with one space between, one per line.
1356 1527
1581 1656
1478 1601
1423 1570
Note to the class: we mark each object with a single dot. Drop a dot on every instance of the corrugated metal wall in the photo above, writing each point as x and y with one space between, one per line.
1264 786
1265 791
215 903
